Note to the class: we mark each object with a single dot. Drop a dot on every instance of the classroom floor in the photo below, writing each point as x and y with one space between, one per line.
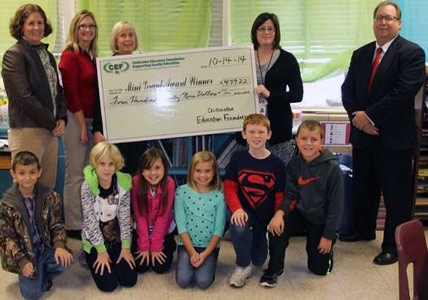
354 277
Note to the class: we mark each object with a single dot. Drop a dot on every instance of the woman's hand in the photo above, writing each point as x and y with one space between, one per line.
126 254
59 128
160 257
262 91
239 217
103 261
83 135
144 256
98 137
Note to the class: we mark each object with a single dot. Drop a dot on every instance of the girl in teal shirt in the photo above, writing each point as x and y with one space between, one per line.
200 216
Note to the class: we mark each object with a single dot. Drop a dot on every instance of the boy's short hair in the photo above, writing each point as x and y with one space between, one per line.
102 149
25 158
311 125
256 119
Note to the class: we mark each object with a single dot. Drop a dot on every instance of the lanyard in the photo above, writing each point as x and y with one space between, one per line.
267 69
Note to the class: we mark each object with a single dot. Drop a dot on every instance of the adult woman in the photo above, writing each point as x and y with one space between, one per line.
279 82
37 115
79 77
123 41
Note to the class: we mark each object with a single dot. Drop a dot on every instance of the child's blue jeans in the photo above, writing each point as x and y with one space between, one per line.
45 269
249 242
203 276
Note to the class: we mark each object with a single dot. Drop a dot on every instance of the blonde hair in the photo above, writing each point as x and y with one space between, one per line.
201 157
72 36
117 29
256 119
103 149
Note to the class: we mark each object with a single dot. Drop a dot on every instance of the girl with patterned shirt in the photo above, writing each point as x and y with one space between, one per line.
200 216
106 205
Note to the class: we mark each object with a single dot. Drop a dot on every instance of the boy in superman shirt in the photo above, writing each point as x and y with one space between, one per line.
253 189
313 201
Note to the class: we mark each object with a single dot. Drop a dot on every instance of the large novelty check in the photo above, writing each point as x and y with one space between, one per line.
174 94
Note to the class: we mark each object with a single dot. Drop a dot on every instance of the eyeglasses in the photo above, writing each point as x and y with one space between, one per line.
268 29
86 27
386 18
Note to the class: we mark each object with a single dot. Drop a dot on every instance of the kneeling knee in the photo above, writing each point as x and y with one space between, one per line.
107 287
182 282
320 270
205 283
129 283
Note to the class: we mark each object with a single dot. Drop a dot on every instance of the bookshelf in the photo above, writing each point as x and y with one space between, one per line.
420 194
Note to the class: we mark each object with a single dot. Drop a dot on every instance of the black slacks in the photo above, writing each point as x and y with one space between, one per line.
388 172
320 264
121 273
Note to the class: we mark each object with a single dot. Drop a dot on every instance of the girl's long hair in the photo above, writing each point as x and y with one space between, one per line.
147 160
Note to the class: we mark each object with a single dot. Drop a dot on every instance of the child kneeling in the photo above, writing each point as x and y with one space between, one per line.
32 234
106 205
200 216
313 200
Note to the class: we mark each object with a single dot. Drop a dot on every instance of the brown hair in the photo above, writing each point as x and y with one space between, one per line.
22 13
311 125
72 36
25 158
263 17
201 157
385 3
147 160
256 119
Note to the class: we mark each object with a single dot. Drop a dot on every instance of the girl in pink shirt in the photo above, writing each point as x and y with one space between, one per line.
152 200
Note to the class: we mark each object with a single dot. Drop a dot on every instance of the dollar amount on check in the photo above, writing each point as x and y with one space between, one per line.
175 94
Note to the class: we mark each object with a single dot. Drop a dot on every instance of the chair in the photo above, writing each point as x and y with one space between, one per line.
412 248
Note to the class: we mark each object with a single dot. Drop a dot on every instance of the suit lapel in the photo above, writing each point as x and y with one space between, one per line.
366 66
386 61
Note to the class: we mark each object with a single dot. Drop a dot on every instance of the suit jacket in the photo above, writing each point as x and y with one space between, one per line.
27 86
390 102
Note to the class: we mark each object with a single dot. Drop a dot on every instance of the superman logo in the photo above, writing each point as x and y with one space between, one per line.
256 186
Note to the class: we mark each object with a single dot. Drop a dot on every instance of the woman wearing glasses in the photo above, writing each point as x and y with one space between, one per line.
279 83
123 41
37 114
79 77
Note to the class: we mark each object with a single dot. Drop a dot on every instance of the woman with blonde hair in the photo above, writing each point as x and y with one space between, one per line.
79 77
123 41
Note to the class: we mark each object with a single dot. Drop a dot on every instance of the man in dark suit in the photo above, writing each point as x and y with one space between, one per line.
378 95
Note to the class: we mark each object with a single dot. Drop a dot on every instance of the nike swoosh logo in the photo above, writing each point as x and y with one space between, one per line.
303 181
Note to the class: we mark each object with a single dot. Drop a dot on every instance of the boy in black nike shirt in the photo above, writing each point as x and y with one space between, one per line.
313 200
253 191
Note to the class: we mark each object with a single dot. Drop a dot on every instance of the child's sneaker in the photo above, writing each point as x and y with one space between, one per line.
240 275
269 278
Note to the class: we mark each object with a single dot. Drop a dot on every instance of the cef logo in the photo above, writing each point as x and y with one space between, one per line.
116 67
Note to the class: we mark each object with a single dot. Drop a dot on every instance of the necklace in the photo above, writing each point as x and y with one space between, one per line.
267 69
